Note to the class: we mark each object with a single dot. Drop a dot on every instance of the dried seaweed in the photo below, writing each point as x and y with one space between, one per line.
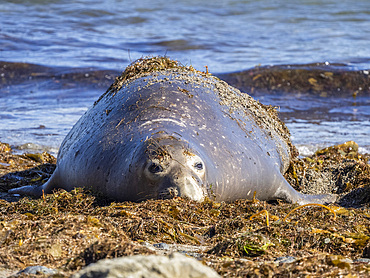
68 230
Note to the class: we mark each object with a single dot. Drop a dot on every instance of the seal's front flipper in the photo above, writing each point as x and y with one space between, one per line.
37 191
29 190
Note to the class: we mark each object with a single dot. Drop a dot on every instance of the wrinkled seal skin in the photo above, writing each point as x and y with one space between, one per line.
173 133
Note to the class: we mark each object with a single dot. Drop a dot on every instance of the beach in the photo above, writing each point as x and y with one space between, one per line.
309 60
66 231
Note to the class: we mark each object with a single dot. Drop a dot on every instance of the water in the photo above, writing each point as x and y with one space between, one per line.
226 35
319 122
70 37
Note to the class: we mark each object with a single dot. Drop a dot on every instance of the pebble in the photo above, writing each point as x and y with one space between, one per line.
37 269
285 259
362 260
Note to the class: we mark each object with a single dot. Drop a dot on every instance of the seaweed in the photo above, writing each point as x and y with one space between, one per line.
69 230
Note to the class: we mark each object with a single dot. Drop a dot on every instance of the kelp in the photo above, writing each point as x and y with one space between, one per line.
69 230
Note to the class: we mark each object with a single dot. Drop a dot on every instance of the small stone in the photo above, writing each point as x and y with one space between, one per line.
285 259
37 269
161 245
362 260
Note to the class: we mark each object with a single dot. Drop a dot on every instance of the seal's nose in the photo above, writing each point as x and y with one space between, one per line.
169 187
169 193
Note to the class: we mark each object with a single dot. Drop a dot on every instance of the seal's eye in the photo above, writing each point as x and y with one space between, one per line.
155 168
198 166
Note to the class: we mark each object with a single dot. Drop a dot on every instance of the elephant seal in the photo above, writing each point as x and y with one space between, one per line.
163 130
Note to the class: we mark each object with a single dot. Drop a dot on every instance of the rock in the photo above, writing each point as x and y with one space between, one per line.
161 245
362 261
37 269
174 265
285 259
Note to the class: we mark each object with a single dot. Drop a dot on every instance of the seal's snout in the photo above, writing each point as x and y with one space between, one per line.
184 185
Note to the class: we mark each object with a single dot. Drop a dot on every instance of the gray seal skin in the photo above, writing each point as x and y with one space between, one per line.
176 132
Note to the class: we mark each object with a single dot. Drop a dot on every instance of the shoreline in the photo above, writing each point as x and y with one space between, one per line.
315 100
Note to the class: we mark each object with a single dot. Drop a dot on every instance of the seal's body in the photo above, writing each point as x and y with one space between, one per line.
176 132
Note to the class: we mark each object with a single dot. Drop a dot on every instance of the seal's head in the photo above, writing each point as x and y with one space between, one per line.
170 168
